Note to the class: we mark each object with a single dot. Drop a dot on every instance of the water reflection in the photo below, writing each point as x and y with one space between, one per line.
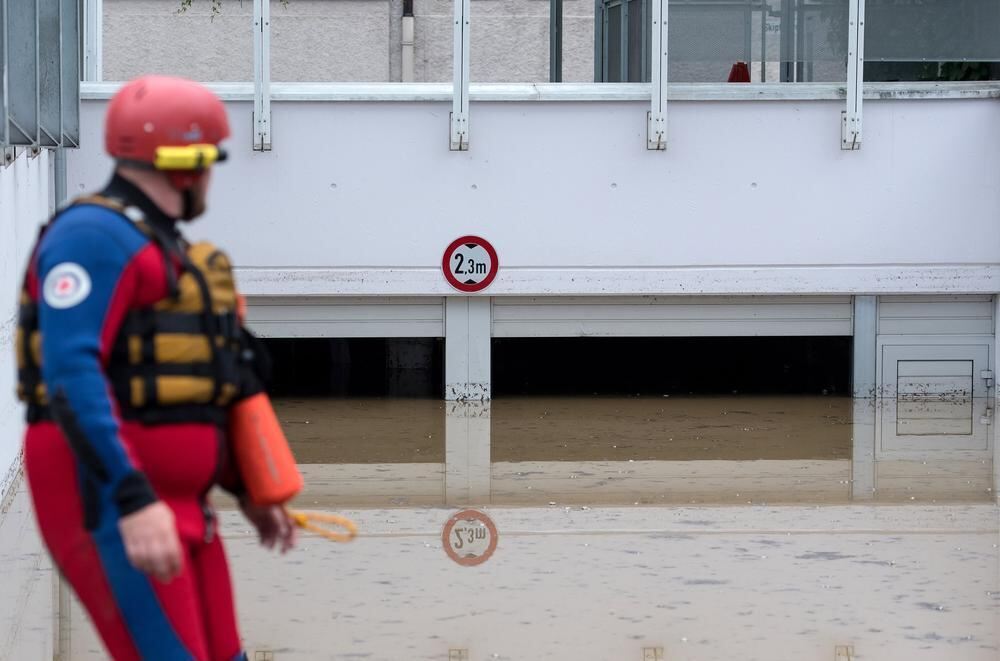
641 451
571 579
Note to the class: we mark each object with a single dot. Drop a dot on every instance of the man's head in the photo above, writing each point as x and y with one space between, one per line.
164 134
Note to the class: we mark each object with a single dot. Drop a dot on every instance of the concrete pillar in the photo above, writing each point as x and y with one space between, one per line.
865 389
995 397
865 348
468 327
467 454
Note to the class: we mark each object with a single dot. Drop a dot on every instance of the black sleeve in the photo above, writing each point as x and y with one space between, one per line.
256 367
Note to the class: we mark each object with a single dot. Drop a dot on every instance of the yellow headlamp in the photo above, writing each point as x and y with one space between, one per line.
188 157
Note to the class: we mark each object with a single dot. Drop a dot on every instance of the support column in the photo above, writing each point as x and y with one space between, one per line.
467 454
468 326
995 396
865 388
865 346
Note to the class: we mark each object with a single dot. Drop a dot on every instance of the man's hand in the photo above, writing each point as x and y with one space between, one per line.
151 542
272 523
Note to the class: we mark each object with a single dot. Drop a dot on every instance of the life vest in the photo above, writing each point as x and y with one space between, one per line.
183 359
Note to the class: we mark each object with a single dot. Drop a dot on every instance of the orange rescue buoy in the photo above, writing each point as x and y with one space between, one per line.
262 453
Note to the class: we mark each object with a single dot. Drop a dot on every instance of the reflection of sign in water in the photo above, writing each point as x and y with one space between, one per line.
469 538
470 264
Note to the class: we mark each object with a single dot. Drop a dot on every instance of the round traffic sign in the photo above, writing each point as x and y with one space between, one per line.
470 264
470 538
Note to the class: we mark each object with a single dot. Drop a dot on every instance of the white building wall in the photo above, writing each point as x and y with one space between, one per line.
312 40
25 202
342 40
750 198
150 36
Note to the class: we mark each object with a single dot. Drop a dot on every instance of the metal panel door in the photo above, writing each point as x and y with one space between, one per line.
935 398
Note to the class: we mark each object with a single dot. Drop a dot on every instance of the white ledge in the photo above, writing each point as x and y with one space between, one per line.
568 92
582 281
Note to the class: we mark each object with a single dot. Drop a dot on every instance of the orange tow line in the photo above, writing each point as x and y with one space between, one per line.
308 521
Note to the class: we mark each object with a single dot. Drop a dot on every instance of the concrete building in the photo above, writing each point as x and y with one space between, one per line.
806 204
755 221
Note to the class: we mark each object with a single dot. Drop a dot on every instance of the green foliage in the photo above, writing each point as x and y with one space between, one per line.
216 6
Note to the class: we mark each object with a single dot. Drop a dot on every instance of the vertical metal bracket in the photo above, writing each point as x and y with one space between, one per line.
987 376
460 100
93 40
70 73
50 62
850 124
21 72
262 75
4 103
656 119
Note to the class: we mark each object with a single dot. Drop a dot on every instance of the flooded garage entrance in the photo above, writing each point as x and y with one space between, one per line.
672 366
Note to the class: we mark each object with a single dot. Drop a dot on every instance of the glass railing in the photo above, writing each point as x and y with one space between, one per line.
572 41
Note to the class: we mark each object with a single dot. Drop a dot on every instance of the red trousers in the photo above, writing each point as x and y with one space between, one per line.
138 617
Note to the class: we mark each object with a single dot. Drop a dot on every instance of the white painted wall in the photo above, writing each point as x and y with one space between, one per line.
752 197
25 203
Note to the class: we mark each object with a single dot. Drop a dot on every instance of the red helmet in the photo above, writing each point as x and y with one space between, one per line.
166 123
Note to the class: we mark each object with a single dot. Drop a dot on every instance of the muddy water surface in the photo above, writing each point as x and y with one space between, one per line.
699 528
629 451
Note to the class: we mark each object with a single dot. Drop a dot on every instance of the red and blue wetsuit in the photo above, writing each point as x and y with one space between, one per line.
87 466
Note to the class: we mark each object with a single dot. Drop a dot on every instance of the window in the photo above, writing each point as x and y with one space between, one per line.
802 40
913 40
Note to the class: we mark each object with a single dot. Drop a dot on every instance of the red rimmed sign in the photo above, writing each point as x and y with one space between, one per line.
470 264
470 538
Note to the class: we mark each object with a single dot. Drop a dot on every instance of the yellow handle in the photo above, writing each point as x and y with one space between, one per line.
305 521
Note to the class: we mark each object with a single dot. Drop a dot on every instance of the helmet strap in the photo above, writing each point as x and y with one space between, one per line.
183 182
187 210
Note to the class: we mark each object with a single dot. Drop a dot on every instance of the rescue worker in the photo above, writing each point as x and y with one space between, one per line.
130 350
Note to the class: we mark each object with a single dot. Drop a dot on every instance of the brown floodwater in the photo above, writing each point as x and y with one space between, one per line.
681 528
638 450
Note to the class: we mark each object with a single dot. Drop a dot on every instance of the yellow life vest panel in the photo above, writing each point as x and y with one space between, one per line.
182 359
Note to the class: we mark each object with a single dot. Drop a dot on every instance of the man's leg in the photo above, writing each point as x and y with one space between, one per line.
136 617
216 596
